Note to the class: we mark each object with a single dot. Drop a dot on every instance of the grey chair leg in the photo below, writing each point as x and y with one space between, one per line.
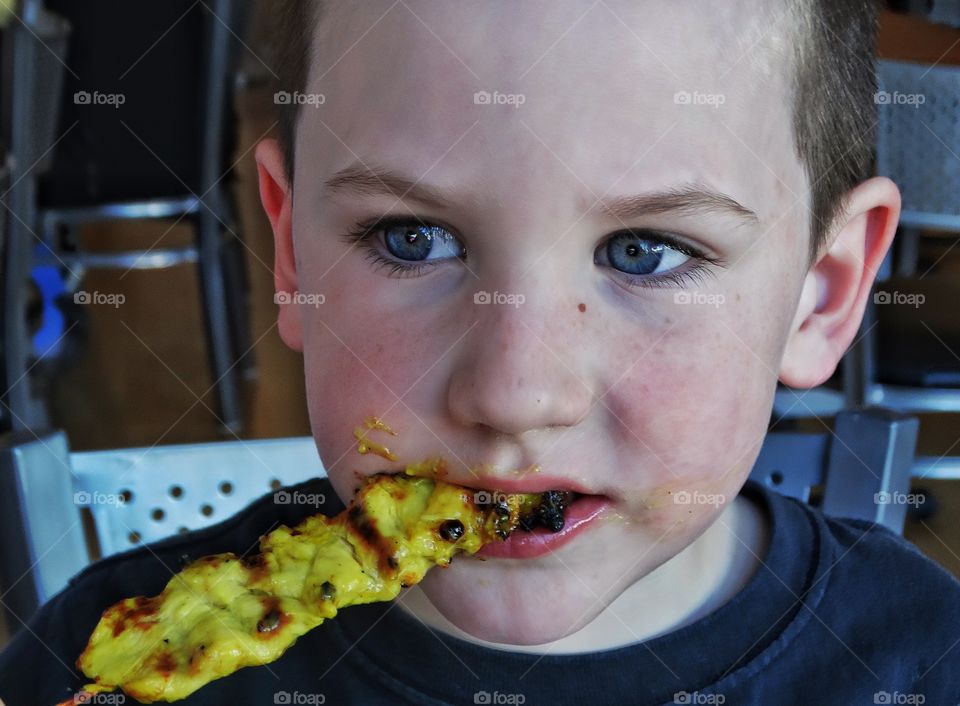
908 251
237 288
868 469
217 322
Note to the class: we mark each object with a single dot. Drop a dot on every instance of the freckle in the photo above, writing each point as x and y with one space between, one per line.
582 307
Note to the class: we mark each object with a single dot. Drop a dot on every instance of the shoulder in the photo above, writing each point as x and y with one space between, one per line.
886 603
859 553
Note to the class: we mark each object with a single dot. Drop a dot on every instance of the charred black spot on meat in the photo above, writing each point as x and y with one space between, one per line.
549 511
269 621
366 528
451 530
328 591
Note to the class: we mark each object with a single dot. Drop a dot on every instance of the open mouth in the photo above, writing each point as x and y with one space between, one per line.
546 509
548 521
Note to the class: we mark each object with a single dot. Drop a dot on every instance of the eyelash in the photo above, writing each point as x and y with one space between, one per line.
364 231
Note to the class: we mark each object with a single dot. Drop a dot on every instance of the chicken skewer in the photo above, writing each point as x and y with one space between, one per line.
224 612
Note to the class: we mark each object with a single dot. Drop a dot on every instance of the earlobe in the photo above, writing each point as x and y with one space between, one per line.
836 288
276 195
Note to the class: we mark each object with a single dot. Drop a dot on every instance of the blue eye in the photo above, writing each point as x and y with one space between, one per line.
404 246
414 243
634 254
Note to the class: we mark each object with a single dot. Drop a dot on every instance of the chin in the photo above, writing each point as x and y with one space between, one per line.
498 602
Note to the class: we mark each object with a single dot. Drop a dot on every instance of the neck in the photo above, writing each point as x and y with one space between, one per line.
695 582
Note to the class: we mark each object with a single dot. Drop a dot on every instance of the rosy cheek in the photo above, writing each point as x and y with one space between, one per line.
690 426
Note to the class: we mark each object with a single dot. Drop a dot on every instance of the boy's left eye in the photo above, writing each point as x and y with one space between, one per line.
633 253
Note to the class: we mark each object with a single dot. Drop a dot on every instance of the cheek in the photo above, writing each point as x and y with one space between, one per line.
356 367
689 420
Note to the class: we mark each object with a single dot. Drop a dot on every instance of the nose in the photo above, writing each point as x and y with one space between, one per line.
518 372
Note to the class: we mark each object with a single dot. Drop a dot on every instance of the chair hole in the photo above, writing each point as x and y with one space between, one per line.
776 477
134 537
226 487
206 510
182 530
176 492
275 484
126 495
157 514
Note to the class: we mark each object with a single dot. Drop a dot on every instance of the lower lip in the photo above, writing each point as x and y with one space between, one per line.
526 545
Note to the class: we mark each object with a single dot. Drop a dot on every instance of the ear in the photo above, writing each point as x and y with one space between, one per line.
836 288
276 195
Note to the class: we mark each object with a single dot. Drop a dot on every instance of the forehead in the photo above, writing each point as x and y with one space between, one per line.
518 100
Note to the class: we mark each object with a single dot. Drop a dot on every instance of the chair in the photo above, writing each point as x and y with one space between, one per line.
863 465
29 115
133 496
144 495
161 153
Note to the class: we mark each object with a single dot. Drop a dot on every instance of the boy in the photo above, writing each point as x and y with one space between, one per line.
613 226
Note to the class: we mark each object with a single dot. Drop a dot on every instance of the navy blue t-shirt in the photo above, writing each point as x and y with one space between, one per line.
841 612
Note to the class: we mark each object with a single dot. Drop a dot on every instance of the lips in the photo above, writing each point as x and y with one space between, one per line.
565 510
578 516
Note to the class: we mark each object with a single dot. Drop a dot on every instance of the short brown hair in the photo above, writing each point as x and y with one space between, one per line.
834 84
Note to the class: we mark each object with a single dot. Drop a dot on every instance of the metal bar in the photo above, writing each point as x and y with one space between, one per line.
936 468
128 260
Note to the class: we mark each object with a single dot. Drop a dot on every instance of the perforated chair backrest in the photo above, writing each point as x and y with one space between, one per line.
135 496
143 495
918 140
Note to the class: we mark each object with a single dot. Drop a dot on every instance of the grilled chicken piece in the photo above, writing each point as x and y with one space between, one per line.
225 612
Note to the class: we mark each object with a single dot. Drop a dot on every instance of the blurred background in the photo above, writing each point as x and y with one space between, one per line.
137 292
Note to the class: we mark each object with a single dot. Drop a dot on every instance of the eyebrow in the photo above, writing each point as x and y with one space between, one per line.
690 198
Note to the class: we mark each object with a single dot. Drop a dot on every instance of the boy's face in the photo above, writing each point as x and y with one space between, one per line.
633 370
